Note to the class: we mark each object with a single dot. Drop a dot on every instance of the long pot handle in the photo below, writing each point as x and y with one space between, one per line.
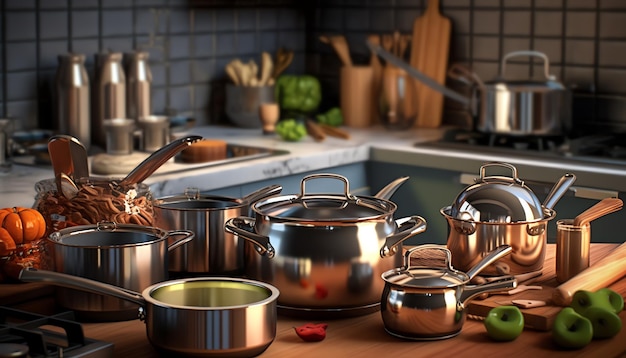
386 192
30 274
407 227
261 194
504 284
188 235
244 227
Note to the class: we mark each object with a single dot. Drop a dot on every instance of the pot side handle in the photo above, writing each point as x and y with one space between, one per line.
407 227
188 235
244 227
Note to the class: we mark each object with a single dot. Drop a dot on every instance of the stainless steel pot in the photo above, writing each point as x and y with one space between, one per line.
213 250
126 255
507 107
524 107
208 317
429 302
324 251
499 210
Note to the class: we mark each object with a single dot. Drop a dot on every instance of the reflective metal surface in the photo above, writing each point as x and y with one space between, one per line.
469 241
428 303
129 256
213 250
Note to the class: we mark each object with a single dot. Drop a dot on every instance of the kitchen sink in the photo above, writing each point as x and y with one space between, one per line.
234 153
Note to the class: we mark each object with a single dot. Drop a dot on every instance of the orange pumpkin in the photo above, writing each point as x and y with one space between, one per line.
7 244
23 224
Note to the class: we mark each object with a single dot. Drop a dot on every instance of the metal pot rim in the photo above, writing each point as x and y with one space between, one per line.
549 214
272 291
157 234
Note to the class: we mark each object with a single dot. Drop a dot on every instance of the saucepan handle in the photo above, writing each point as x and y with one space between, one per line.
187 236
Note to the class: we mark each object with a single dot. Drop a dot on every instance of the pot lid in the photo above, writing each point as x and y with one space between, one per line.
324 207
497 199
425 277
433 272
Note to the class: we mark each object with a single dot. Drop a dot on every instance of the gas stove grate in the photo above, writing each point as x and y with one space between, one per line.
49 336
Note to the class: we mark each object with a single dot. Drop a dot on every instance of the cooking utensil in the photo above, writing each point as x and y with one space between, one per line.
428 303
80 160
497 210
430 45
61 158
231 317
157 159
213 250
340 45
603 273
327 249
573 239
283 60
334 131
314 130
391 59
525 107
267 66
603 207
126 255
377 69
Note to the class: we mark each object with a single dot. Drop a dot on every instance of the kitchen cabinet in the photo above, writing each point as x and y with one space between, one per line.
430 189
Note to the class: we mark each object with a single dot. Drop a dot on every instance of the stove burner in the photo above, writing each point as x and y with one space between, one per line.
594 148
536 143
49 336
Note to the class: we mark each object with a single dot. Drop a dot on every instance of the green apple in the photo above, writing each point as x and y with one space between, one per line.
606 324
504 323
605 298
571 330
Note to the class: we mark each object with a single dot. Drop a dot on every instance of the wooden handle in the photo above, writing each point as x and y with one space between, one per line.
334 131
607 270
315 131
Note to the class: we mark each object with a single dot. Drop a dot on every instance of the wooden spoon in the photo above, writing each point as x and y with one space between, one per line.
340 45
603 207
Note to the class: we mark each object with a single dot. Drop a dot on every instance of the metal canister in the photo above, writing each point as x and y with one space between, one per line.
111 93
138 82
72 97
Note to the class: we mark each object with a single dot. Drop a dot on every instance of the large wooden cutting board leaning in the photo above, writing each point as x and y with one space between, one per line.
606 268
430 44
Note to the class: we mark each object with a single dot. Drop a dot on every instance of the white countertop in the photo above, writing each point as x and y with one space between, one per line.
376 143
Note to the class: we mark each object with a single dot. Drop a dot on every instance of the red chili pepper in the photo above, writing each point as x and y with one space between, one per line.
311 332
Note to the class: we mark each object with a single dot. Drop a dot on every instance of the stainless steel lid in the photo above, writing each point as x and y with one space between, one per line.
497 199
324 207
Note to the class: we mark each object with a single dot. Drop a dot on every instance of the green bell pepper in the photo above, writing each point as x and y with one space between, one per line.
298 93
332 117
291 130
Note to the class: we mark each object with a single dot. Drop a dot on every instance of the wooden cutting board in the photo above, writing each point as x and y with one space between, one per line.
430 44
541 318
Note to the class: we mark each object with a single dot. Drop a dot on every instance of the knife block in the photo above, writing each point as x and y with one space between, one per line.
357 93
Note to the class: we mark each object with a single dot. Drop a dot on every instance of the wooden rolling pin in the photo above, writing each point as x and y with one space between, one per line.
607 270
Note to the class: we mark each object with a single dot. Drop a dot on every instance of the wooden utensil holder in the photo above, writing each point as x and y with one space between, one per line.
356 95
